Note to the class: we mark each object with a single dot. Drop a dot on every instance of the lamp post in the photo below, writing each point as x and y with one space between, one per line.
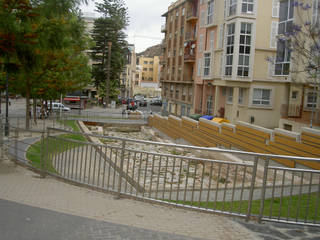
6 126
108 74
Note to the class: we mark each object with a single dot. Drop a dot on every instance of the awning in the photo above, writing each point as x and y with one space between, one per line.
72 99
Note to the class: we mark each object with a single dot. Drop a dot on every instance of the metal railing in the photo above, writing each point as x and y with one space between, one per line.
245 185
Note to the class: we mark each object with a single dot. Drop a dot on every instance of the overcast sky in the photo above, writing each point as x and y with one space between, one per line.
145 21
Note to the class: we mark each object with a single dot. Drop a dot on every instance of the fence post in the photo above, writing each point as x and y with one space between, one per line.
121 167
16 143
263 190
253 181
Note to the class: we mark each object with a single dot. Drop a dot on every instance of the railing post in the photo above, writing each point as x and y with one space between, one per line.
253 182
43 150
263 190
121 167
1 138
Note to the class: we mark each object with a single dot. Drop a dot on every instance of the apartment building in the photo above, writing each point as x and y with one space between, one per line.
128 75
147 76
302 107
224 71
178 64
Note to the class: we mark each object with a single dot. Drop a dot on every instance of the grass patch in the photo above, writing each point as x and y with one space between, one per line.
283 208
35 153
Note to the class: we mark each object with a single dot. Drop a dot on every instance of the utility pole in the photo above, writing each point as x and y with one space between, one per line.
108 74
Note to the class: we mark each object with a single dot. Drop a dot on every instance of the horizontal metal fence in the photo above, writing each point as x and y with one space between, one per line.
253 187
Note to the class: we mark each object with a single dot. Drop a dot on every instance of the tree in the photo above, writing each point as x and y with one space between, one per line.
109 28
46 40
298 51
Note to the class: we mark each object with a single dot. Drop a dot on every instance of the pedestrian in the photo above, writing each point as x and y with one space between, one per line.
9 102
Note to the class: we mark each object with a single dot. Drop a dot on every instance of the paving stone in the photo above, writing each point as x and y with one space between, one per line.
264 237
296 233
265 229
313 238
313 229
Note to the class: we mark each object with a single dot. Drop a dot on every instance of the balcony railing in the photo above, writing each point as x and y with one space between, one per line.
192 16
190 36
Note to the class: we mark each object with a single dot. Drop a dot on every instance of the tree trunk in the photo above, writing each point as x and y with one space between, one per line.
28 109
35 110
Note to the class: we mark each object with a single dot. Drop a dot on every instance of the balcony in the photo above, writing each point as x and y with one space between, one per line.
192 16
190 36
163 28
190 51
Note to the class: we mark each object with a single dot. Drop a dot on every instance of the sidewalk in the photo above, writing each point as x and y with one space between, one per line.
20 185
31 206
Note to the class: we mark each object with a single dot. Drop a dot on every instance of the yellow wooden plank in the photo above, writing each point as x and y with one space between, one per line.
310 140
252 131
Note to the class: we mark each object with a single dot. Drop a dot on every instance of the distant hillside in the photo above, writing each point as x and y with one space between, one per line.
151 51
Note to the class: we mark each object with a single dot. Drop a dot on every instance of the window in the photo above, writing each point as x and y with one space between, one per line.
282 66
229 94
183 11
171 88
182 31
145 69
247 6
177 14
171 18
241 95
150 79
137 75
232 7
244 49
210 12
145 62
285 16
311 100
316 12
273 37
229 49
184 91
201 42
294 95
202 19
180 52
151 62
151 69
275 8
261 97
206 67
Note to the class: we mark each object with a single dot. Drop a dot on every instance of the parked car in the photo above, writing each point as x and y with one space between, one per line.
57 106
142 103
156 102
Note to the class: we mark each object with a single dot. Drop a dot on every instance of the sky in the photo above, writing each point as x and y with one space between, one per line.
145 21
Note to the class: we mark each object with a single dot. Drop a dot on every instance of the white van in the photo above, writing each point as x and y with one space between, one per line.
57 106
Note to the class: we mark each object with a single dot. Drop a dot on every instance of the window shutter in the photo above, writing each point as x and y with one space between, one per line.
275 8
199 67
211 41
221 37
274 32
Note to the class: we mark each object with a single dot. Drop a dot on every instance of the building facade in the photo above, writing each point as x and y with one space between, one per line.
215 60
147 76
127 77
301 66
